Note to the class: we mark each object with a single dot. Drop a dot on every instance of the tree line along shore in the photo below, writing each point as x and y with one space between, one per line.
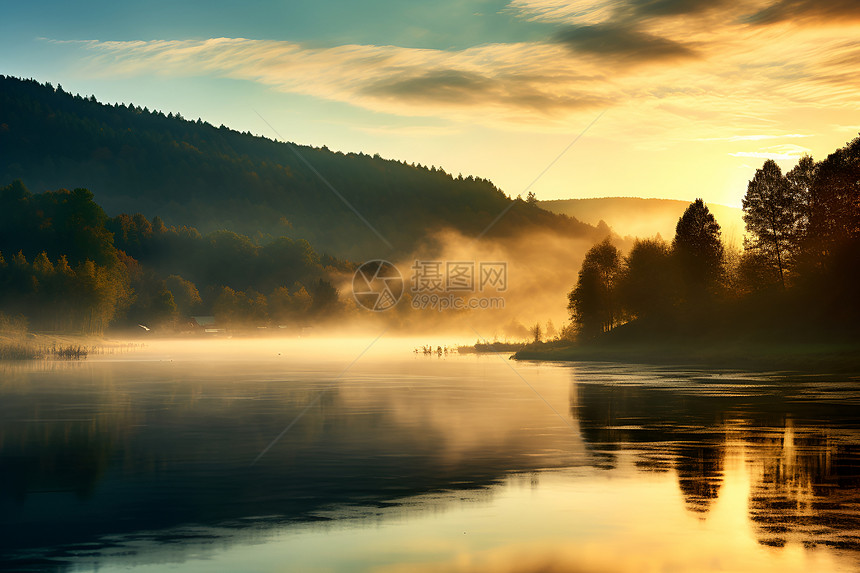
789 297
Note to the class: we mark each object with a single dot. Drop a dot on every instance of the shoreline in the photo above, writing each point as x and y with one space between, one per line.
806 357
42 346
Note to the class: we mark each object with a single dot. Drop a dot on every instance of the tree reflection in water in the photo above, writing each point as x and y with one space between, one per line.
801 451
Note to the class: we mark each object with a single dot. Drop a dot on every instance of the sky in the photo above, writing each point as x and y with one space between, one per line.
569 99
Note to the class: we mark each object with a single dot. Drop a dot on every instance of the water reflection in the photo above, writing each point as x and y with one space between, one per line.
807 487
118 448
798 438
145 461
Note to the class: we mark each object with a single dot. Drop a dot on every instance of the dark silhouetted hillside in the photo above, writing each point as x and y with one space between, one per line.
192 173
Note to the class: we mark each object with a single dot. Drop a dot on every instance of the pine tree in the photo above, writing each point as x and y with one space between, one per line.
698 250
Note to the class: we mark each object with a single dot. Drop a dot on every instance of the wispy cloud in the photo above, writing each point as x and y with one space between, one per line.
775 152
508 82
622 43
758 137
408 130
666 66
808 12
757 12
569 11
847 128
599 11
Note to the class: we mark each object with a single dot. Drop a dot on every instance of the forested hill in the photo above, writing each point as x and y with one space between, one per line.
192 173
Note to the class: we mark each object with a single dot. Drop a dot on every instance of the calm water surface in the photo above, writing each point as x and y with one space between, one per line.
332 456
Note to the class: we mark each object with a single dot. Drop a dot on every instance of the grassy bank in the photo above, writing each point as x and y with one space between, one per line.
483 347
29 346
819 357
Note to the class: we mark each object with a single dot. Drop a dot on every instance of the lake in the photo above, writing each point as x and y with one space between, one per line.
359 455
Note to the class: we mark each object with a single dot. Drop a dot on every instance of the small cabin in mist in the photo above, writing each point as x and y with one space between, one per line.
206 324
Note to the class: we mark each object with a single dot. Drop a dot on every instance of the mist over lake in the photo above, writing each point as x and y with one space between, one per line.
400 461
471 286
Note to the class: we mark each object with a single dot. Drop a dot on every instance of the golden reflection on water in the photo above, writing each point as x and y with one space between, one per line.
414 463
563 522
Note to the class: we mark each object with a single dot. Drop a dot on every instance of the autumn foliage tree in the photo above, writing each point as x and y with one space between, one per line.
65 266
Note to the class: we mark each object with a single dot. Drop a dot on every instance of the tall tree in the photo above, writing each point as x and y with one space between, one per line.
698 250
834 216
593 303
771 214
800 182
831 246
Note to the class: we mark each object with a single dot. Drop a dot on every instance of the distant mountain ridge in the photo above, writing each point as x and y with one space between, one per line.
638 217
192 173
